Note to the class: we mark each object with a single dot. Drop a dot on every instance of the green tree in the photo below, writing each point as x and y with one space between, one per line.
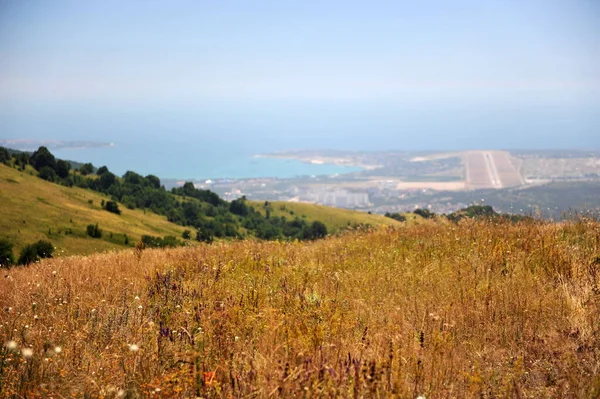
186 235
239 207
62 168
7 258
4 155
154 181
316 230
42 157
86 169
47 173
204 235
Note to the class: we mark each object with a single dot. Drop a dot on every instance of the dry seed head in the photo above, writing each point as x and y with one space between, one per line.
27 352
11 345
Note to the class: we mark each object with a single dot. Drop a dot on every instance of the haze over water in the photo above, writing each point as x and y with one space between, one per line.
194 89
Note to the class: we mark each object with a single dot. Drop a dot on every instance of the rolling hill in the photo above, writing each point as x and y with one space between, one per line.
33 209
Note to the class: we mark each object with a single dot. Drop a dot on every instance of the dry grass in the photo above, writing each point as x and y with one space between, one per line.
475 310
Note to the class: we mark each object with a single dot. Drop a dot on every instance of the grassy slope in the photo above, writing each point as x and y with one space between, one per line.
334 218
31 207
440 310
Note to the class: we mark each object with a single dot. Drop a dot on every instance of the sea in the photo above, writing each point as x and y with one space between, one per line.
221 141
195 161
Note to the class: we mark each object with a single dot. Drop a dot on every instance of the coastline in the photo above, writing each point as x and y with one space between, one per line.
320 160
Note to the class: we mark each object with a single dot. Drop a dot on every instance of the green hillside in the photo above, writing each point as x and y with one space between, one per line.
34 209
334 218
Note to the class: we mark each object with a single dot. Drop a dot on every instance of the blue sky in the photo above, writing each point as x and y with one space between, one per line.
317 63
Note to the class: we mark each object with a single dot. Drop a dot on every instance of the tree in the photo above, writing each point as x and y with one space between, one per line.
107 179
62 168
94 231
47 173
6 253
101 170
154 181
204 235
239 207
316 230
86 169
42 157
4 155
186 235
113 207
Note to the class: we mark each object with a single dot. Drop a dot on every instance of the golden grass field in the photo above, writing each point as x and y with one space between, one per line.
334 218
33 209
475 310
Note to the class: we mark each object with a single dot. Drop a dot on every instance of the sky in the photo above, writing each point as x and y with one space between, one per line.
292 71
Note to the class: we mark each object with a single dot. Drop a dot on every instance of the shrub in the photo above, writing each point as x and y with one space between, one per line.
186 235
113 207
424 213
6 253
94 231
396 216
34 252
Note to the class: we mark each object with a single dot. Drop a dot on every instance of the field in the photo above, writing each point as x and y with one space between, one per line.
479 309
334 218
33 209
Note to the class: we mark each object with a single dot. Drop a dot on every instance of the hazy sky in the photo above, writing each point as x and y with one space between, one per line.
231 58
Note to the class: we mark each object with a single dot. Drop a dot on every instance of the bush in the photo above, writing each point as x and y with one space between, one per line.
34 252
424 213
316 230
6 254
396 216
94 231
113 207
186 235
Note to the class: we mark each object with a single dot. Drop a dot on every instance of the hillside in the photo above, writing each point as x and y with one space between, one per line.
34 209
469 310
334 218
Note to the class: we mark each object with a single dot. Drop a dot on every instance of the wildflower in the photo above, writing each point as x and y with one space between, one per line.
140 307
237 338
137 298
209 378
27 352
94 310
36 317
11 345
120 393
134 347
57 349
54 272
